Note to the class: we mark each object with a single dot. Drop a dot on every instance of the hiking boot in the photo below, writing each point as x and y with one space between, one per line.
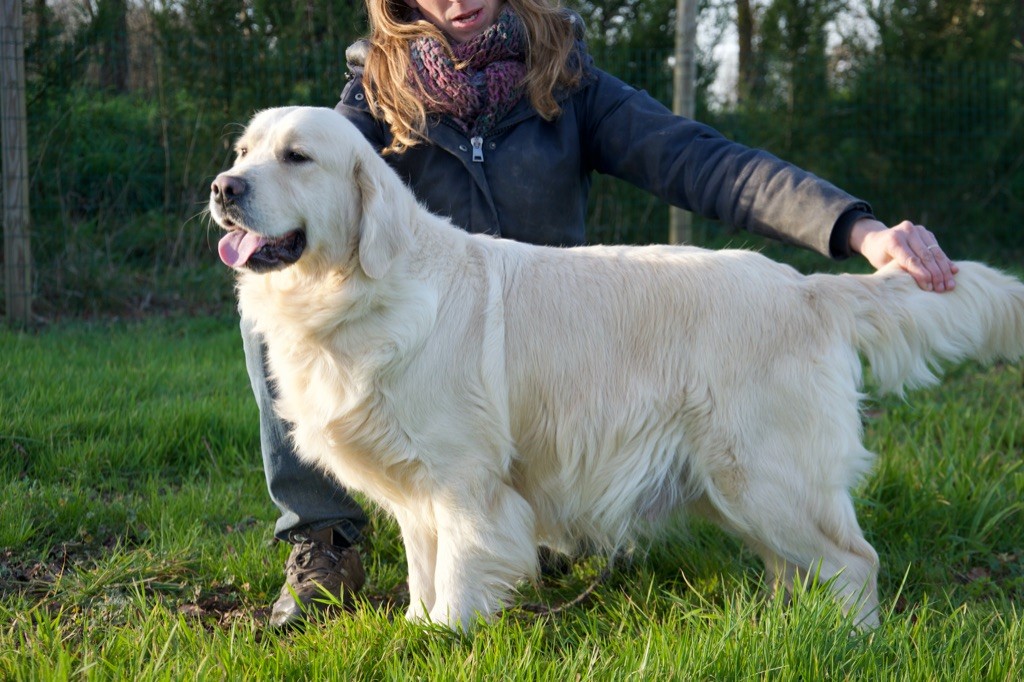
315 568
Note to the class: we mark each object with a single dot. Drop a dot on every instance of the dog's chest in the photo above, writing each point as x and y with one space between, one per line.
341 417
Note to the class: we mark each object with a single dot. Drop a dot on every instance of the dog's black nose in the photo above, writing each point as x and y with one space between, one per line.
227 188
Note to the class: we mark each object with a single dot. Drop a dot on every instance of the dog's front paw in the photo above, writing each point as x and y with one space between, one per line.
458 620
417 612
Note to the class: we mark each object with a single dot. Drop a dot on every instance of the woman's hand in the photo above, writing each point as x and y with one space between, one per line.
912 246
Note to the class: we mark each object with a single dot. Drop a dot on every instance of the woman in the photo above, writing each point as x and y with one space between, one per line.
495 116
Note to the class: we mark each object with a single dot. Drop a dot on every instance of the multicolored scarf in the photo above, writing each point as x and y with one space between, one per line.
483 81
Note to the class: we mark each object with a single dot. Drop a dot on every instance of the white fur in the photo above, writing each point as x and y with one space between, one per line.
494 396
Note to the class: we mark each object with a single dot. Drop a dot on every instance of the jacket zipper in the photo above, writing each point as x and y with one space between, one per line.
477 141
478 148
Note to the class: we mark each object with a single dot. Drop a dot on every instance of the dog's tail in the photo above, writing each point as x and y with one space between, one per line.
905 332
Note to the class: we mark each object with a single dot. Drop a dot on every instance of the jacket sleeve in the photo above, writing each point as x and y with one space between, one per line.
630 135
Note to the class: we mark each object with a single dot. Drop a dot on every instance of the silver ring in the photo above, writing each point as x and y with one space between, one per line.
934 246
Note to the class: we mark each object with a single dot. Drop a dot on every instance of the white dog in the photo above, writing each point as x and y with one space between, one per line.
495 396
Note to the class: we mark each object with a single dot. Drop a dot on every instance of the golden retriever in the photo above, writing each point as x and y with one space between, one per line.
496 396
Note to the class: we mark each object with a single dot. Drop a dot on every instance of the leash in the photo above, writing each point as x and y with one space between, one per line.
549 610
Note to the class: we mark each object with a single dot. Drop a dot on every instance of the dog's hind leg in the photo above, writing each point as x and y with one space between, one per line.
819 539
779 573
852 571
796 452
420 539
486 544
792 506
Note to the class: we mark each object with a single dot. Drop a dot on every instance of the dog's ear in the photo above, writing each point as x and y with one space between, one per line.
385 226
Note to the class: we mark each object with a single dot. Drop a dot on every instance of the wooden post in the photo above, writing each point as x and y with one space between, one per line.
13 121
684 98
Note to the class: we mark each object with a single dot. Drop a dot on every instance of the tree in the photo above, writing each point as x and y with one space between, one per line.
111 27
635 24
784 67
942 76
746 29
794 40
947 31
310 21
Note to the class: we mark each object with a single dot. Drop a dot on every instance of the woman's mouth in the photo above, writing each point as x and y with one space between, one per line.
467 18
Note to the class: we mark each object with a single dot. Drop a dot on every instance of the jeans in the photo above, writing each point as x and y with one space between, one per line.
307 498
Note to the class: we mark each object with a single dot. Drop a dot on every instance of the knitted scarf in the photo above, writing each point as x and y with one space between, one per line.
483 81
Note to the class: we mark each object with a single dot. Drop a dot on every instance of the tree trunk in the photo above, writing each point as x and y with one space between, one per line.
747 73
113 23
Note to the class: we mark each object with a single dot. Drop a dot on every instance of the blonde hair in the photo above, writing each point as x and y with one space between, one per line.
550 42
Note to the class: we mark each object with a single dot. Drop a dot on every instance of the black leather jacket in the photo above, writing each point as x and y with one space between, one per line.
528 179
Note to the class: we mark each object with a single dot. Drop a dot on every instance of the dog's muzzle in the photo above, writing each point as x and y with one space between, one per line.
241 247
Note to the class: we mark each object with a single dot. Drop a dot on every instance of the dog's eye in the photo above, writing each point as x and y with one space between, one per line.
242 151
292 156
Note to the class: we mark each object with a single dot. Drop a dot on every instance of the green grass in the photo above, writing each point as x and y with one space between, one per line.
136 544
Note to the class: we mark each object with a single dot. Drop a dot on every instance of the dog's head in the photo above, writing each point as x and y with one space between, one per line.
308 191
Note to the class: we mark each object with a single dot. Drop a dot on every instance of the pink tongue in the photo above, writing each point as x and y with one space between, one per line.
236 246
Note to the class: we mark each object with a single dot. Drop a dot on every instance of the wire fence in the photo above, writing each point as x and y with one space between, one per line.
939 143
119 161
